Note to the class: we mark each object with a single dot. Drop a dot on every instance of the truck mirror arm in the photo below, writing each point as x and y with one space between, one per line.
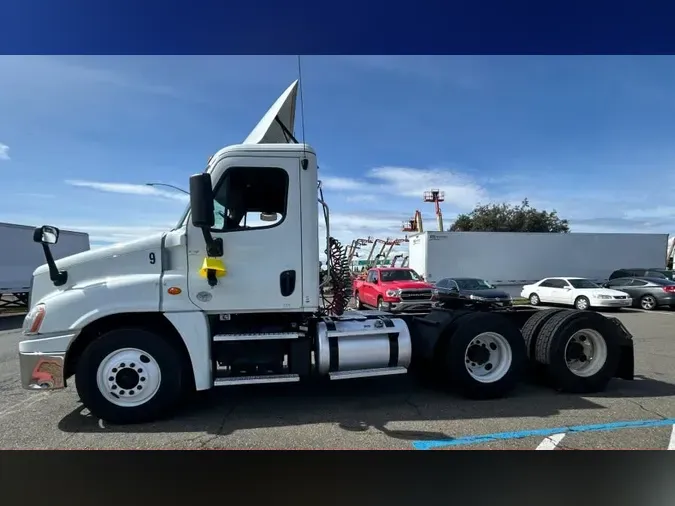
59 278
214 247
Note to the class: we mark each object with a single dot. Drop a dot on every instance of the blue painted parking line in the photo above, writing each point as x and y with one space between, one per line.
501 436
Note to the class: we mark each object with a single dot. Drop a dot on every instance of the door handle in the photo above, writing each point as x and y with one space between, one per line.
287 283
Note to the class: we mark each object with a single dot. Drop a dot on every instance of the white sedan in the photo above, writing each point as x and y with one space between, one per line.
578 292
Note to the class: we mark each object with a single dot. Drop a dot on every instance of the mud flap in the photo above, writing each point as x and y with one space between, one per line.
626 368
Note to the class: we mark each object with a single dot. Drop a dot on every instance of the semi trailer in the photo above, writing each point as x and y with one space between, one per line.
19 258
214 302
510 260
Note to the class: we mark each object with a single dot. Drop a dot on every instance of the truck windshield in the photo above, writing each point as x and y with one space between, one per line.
583 283
473 284
399 275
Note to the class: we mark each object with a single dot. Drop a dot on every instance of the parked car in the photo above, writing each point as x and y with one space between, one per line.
643 273
474 289
647 293
578 292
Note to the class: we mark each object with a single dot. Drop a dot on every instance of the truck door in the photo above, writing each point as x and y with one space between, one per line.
257 216
370 288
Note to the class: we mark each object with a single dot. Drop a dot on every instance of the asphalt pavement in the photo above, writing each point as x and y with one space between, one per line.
378 413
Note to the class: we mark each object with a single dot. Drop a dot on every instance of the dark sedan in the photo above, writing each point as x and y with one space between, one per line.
471 289
647 293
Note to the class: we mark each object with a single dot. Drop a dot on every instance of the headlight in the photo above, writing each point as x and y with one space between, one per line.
393 293
476 297
33 320
601 296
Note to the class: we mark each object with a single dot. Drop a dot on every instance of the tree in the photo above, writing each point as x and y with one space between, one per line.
509 218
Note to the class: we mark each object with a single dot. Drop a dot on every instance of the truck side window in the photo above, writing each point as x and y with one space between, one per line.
250 197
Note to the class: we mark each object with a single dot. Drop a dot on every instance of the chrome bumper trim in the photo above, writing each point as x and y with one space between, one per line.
401 306
42 371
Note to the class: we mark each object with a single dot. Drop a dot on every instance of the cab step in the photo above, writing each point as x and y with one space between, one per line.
366 373
255 380
263 336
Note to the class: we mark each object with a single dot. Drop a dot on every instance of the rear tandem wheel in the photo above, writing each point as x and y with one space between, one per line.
481 356
580 351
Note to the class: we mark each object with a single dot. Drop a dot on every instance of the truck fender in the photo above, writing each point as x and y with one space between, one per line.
193 327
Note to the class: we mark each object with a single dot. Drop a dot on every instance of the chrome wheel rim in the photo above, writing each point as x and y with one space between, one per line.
585 353
128 377
582 303
648 302
488 357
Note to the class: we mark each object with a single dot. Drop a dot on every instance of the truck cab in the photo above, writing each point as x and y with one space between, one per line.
393 289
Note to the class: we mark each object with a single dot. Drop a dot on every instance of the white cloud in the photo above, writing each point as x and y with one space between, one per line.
4 151
461 191
363 198
129 189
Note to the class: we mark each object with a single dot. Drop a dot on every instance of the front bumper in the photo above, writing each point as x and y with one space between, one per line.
418 305
42 371
611 302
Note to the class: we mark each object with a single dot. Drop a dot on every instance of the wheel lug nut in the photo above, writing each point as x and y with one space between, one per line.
111 378
142 378
123 364
121 392
114 369
132 365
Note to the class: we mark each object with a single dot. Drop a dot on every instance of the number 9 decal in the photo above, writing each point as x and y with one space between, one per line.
152 258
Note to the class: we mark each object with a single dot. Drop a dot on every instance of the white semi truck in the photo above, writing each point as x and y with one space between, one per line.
19 258
215 302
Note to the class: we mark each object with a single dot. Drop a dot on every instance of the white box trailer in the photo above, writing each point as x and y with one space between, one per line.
20 256
512 259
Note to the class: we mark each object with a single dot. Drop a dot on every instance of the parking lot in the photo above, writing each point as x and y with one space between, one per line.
379 413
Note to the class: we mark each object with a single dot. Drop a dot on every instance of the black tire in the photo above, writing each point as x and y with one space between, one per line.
455 374
357 301
551 345
379 303
167 358
532 327
534 299
648 302
582 303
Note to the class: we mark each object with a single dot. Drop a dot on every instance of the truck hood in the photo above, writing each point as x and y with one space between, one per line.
96 266
406 285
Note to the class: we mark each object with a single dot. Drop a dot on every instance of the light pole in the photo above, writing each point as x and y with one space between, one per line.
169 186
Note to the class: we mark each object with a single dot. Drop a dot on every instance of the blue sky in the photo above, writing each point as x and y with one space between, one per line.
593 137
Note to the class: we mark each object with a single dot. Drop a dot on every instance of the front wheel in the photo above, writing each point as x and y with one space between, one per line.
534 299
582 303
130 376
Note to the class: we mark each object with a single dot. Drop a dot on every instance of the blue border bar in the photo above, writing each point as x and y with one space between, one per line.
500 436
